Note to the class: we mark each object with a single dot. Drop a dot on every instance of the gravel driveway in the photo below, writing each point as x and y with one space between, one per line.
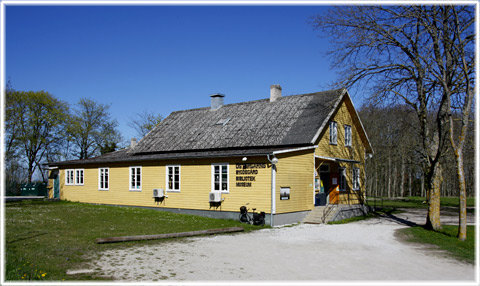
365 250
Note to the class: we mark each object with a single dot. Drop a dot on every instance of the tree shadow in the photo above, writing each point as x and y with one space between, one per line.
392 217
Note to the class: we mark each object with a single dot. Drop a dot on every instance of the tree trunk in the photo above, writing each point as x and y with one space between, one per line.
389 176
433 198
409 181
402 179
395 183
462 197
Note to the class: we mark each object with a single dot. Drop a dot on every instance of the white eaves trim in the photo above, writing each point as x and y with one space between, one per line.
332 111
50 168
294 150
336 159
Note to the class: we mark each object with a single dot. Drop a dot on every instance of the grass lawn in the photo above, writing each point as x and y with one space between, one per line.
45 239
445 240
417 202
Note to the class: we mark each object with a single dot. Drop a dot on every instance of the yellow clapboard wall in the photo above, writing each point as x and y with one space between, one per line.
195 185
295 170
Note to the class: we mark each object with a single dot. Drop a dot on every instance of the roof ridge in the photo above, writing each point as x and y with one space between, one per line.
259 100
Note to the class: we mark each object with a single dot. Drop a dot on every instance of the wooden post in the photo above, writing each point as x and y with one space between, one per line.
167 235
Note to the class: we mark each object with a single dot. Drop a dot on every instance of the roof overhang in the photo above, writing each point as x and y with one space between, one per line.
294 150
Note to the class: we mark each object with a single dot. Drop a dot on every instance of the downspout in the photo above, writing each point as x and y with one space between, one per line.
274 162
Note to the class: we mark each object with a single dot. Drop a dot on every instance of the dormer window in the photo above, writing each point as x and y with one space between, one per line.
223 121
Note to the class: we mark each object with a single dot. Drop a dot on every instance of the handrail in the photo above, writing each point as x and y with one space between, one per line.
328 210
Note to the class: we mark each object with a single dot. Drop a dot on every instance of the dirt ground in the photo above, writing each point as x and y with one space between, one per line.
363 251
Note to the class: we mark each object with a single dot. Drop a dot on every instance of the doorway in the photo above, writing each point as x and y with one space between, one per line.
56 185
322 184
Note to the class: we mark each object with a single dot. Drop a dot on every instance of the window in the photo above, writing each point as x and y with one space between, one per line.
103 178
69 177
348 135
342 179
74 177
135 178
173 178
78 176
333 132
220 177
356 179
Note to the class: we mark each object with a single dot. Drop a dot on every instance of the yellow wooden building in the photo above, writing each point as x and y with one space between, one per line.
283 155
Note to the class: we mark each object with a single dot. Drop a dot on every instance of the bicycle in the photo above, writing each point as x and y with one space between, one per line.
258 218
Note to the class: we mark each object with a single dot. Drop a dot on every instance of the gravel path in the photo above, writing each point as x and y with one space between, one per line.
364 251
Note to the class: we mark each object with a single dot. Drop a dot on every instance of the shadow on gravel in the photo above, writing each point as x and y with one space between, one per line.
399 220
402 221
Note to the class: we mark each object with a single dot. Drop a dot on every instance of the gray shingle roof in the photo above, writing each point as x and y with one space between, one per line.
290 120
253 128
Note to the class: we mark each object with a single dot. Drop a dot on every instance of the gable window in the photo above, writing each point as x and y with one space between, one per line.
103 178
333 132
220 177
173 178
69 177
135 178
356 179
348 135
342 179
78 176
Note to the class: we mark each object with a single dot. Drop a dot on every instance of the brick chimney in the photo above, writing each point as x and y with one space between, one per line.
216 101
275 92
133 142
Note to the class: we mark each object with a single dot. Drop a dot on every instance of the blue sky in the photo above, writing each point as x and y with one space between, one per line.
164 58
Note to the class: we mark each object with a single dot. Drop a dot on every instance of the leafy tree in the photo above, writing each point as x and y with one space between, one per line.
416 55
91 129
34 121
144 122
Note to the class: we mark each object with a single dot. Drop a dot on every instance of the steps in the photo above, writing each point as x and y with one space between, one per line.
316 216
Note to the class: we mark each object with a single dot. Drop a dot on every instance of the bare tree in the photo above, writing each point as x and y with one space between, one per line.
452 31
91 129
389 50
144 122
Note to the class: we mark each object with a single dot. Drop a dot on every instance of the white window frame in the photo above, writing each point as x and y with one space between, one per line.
333 133
167 181
106 171
79 175
70 177
356 179
348 135
135 189
342 179
220 165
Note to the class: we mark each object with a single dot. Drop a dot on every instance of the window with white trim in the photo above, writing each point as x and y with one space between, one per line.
70 177
356 179
220 178
135 178
79 177
173 178
342 179
103 181
348 135
333 132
